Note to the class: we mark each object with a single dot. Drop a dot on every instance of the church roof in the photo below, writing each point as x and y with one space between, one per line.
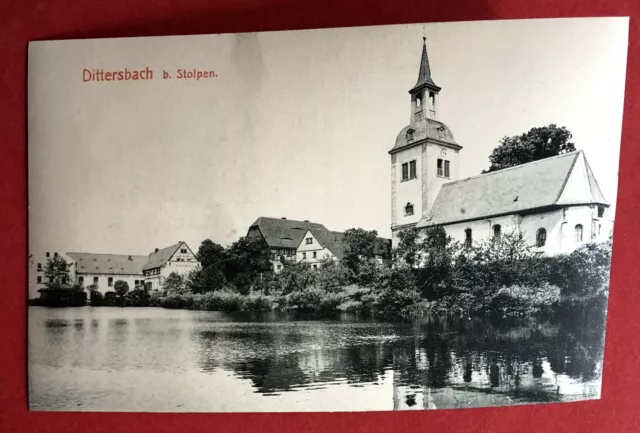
421 130
90 263
424 75
284 233
160 257
560 180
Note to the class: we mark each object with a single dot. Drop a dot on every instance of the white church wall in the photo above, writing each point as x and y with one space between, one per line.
408 191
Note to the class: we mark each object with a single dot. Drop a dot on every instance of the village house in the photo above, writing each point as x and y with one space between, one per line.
161 263
294 241
555 203
101 271
318 246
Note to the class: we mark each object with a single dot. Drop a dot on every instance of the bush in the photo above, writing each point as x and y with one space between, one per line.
138 297
521 300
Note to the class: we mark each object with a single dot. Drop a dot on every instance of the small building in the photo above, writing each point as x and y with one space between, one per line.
283 236
161 263
318 246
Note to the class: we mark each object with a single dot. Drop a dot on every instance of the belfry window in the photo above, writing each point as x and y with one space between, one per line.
468 238
408 209
432 99
578 232
600 211
412 169
418 101
541 237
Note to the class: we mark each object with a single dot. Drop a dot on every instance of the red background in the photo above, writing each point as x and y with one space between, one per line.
20 22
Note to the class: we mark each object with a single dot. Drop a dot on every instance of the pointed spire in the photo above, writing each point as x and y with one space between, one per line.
424 76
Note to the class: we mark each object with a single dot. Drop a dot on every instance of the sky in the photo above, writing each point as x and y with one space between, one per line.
296 124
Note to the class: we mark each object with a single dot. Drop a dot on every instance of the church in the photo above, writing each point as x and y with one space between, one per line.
555 203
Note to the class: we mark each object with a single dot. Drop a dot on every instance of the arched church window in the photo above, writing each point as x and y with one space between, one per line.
497 232
541 237
578 231
468 238
408 209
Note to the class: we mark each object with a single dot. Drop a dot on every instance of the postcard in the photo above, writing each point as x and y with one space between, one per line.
404 217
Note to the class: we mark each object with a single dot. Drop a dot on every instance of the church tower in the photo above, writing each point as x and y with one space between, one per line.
424 157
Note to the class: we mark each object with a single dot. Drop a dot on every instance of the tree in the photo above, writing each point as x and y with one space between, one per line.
210 275
211 254
408 249
537 143
57 273
121 288
173 284
247 262
359 247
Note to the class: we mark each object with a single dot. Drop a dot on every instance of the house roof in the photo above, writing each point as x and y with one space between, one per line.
424 129
160 257
284 233
560 180
424 75
333 241
90 263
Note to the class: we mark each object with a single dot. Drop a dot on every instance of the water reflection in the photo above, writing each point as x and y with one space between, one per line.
160 360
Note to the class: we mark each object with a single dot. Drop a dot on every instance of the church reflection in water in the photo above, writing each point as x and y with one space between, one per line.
432 364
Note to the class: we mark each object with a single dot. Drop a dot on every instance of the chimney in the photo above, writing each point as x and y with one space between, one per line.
284 218
306 221
156 250
130 258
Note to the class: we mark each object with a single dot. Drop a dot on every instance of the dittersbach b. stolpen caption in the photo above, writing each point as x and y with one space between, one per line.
126 74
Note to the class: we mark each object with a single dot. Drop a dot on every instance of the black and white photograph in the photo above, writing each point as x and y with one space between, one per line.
402 217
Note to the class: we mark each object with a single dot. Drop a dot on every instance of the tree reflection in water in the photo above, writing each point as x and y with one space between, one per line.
433 363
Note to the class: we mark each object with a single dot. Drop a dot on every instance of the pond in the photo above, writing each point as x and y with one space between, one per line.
151 359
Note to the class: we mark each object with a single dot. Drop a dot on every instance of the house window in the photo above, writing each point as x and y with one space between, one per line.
468 238
279 267
497 231
39 279
446 168
405 171
110 281
541 237
315 255
315 266
55 255
412 170
304 256
600 211
183 251
408 209
48 254
578 231
39 266
95 280
81 280
309 241
440 165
